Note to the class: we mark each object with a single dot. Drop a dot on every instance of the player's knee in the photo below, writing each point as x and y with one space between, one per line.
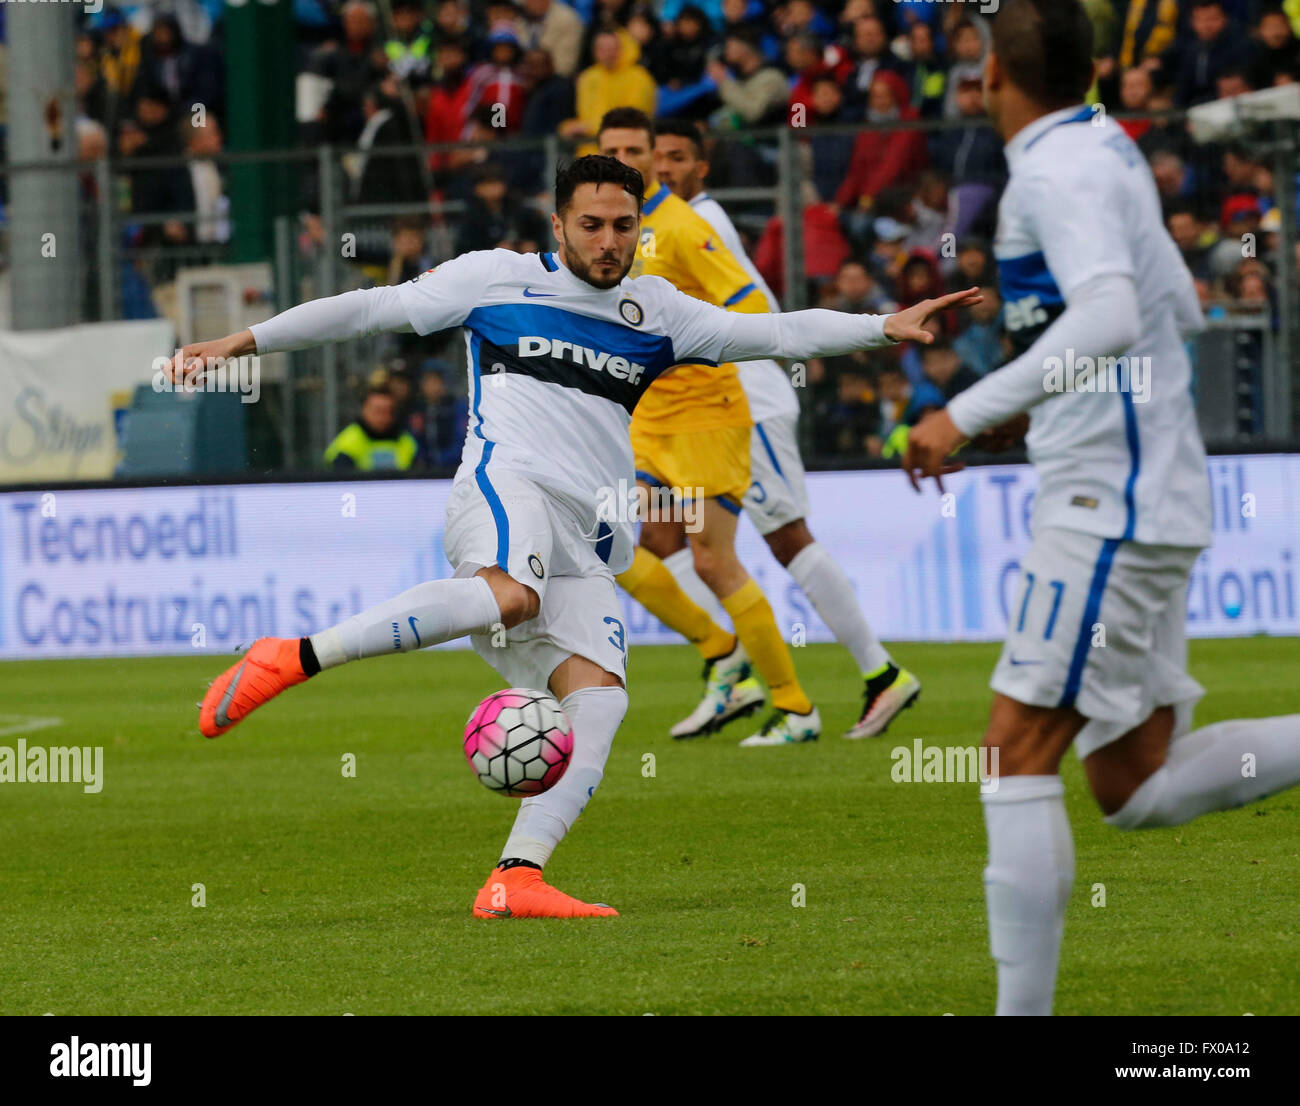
663 540
714 564
516 602
787 542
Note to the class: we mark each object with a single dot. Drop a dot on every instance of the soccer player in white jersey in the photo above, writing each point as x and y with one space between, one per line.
777 501
561 347
1095 652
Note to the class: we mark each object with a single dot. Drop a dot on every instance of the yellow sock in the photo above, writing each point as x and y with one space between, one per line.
650 583
755 624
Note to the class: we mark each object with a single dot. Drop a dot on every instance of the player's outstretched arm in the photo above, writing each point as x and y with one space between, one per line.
821 333
314 323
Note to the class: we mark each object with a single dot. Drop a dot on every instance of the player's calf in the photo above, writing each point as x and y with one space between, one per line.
1218 767
1031 854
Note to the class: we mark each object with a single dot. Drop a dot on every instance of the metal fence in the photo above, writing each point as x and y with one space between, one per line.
357 218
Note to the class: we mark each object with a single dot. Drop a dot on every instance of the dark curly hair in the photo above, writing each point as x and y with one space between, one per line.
596 169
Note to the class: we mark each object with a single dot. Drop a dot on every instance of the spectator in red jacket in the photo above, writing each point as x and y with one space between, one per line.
808 60
883 158
498 80
449 102
824 249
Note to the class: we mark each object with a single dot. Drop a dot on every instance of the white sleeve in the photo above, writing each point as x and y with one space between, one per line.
709 333
443 297
333 319
1100 320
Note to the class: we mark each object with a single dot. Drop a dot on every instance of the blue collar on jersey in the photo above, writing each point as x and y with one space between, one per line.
654 201
548 260
1027 136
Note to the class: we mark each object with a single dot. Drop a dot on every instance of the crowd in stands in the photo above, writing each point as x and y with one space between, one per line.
895 209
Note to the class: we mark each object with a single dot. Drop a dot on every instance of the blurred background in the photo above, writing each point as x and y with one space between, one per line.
177 170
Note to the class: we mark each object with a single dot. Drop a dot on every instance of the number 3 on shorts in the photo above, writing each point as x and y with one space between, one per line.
616 638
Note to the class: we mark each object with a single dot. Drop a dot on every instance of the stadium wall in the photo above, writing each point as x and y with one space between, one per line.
137 571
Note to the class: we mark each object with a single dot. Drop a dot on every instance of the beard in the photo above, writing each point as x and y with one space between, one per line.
602 278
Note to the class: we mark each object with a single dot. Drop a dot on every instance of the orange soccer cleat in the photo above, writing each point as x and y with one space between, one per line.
268 668
521 893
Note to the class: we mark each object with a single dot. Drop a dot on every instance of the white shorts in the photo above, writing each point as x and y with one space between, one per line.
777 494
1100 625
504 519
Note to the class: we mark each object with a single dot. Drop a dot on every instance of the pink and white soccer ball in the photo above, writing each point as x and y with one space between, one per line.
518 742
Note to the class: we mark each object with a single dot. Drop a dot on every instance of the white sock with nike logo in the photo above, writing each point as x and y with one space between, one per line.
440 610
595 714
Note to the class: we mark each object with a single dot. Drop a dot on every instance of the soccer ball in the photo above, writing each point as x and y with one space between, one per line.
518 742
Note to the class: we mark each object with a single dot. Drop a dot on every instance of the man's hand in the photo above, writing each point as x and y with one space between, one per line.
929 443
193 359
908 325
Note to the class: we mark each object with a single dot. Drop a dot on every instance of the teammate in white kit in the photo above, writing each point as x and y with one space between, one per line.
777 501
1095 652
561 346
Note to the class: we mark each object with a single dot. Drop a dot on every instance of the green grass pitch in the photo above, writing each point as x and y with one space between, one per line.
330 895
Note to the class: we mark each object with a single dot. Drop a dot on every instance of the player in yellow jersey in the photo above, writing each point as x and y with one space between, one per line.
690 434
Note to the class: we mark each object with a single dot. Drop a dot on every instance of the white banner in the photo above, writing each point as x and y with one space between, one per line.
63 391
178 570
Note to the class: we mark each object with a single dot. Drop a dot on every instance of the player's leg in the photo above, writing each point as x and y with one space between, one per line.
1163 773
651 584
888 689
1051 678
666 539
427 614
509 526
581 643
1030 869
795 719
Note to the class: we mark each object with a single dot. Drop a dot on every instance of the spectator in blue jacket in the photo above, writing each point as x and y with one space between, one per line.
1196 59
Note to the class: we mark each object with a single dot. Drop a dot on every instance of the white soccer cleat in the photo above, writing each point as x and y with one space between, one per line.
724 698
885 696
786 728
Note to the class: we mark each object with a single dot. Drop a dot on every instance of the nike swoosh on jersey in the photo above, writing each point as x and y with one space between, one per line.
411 622
531 295
1020 662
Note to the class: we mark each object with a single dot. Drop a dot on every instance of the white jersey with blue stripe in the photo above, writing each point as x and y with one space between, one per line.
1128 463
767 388
556 367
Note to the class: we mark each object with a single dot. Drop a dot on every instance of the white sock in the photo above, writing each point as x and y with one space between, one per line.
595 714
1026 885
1216 768
831 593
427 614
682 565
